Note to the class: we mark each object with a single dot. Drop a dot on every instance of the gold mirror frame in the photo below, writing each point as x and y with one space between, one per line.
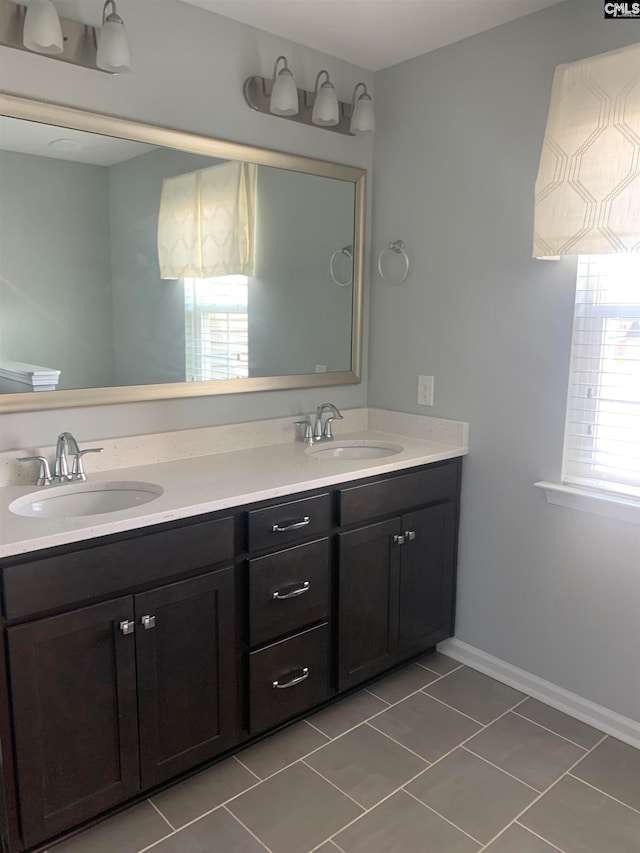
48 113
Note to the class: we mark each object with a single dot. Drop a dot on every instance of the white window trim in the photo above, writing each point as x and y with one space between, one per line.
589 500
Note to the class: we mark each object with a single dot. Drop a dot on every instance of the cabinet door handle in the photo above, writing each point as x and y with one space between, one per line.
148 622
410 535
282 685
294 525
283 596
399 539
127 627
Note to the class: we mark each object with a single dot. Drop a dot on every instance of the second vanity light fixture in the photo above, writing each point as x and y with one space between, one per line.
281 97
38 28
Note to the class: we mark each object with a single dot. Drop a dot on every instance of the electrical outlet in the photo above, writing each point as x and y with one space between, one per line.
425 390
321 368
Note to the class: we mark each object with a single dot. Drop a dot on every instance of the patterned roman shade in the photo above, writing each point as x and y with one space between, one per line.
587 198
206 222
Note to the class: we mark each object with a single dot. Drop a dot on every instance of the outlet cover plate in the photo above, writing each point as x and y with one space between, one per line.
425 390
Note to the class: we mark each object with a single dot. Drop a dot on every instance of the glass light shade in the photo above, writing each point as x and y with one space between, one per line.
325 109
42 32
113 53
363 116
284 95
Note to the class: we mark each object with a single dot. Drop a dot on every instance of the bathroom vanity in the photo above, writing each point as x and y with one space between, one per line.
134 657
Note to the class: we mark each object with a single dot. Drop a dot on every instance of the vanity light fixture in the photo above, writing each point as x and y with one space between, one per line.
326 111
362 116
42 32
37 27
278 96
284 95
113 53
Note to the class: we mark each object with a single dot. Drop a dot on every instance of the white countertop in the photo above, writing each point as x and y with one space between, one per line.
203 484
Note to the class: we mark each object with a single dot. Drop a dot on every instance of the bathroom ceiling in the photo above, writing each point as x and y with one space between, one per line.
374 33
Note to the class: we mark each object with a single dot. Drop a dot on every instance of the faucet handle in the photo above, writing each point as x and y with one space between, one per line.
306 430
77 469
327 432
44 474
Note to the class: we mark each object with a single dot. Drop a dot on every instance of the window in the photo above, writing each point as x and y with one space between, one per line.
216 328
602 434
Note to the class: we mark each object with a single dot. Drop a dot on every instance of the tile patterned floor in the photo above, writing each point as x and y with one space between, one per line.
435 758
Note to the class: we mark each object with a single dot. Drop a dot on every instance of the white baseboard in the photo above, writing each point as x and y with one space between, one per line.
622 728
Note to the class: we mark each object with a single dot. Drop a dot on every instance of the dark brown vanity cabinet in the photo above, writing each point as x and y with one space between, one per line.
73 688
138 657
117 697
396 577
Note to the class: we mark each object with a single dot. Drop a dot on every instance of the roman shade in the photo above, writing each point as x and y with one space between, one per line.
587 194
206 222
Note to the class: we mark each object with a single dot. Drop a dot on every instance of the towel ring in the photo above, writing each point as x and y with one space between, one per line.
345 250
396 246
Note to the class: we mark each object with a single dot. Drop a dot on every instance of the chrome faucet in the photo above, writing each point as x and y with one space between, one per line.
67 444
325 433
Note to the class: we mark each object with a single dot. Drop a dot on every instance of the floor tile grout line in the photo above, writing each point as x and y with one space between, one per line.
542 794
450 822
501 769
604 793
546 728
397 743
516 822
164 817
248 769
333 784
155 843
366 812
235 817
468 716
441 674
366 690
315 728
457 746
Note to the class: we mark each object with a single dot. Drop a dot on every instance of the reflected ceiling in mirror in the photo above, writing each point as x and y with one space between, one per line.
140 263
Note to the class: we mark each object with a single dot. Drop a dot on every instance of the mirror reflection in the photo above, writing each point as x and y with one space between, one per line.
124 263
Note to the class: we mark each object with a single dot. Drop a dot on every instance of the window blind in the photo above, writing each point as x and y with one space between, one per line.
602 435
216 328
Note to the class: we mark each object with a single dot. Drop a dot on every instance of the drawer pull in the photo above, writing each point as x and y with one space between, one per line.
283 596
294 525
279 685
127 626
148 622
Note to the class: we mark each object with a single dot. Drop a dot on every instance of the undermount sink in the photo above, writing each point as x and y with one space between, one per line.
354 449
79 499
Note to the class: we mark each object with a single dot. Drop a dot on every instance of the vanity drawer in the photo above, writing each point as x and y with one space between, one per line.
288 677
104 570
278 525
398 494
288 590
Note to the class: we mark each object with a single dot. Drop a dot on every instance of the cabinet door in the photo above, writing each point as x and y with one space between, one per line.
368 601
427 578
187 692
74 709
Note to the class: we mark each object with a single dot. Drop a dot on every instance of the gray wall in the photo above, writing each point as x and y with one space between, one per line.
459 132
55 294
193 84
298 317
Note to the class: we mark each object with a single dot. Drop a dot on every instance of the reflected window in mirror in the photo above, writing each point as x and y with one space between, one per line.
216 328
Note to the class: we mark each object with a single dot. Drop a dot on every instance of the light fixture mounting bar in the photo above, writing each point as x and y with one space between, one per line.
257 94
80 40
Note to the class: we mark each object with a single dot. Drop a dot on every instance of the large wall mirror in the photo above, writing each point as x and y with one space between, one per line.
139 263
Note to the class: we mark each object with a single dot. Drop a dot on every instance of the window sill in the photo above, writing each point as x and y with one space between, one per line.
588 500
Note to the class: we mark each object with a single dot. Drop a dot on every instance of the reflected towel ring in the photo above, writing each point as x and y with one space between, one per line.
396 246
345 250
